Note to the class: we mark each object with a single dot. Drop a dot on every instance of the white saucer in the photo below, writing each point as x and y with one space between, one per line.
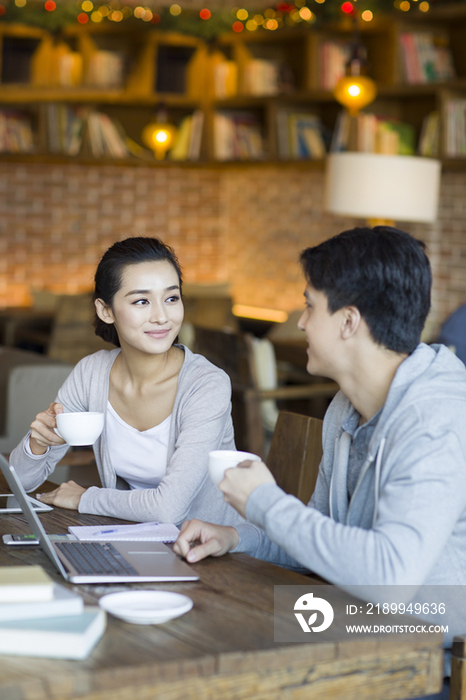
146 607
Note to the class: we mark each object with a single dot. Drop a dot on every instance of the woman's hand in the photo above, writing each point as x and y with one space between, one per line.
198 540
42 430
67 495
239 482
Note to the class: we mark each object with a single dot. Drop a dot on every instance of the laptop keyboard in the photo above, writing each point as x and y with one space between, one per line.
96 558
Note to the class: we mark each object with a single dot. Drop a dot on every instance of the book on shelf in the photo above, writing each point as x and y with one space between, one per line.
106 69
426 57
262 77
70 69
429 140
299 135
225 79
455 127
333 57
63 602
374 134
25 583
65 128
188 142
105 137
15 133
238 136
64 637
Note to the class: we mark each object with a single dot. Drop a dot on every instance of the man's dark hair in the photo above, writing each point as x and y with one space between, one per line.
384 272
109 273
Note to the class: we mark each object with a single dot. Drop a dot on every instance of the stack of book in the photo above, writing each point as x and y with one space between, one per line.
15 133
374 134
455 127
41 618
333 56
238 136
426 57
188 142
299 135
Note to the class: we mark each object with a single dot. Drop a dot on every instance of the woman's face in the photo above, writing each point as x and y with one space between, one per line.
147 309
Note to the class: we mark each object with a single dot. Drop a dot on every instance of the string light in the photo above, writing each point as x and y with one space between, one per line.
82 18
20 3
175 10
238 26
87 6
405 6
242 14
424 7
96 17
50 6
367 16
305 13
251 25
205 13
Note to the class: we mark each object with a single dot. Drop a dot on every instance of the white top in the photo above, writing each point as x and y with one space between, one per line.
139 457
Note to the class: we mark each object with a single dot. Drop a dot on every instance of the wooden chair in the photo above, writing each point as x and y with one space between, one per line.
233 352
295 453
72 336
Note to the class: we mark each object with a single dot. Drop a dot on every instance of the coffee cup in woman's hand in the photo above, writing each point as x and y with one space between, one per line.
81 428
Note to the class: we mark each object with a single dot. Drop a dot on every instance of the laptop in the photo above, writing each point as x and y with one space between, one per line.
101 562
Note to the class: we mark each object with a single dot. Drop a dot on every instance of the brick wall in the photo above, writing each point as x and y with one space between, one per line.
241 224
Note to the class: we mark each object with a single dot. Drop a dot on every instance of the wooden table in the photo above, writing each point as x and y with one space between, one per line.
223 648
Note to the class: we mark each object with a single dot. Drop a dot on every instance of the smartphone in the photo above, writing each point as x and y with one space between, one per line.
20 539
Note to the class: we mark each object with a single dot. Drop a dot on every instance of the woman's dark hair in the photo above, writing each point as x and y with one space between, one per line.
384 272
109 274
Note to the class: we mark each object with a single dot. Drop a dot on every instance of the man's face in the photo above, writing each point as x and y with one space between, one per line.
322 331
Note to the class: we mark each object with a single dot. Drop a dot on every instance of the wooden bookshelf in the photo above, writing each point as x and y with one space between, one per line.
179 71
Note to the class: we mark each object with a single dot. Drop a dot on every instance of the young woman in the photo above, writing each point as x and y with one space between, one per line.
165 407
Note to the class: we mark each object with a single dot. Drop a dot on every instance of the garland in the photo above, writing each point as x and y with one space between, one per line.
54 16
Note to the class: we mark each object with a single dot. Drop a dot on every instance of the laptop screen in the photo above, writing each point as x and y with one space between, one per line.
35 524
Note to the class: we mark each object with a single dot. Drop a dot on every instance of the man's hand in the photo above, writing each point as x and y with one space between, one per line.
43 434
198 540
239 482
67 495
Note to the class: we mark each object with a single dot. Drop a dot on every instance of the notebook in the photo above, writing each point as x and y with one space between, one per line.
149 532
102 562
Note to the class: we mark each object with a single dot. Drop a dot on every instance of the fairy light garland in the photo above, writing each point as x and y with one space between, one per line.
207 22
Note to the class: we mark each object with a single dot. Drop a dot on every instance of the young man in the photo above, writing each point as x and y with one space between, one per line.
389 505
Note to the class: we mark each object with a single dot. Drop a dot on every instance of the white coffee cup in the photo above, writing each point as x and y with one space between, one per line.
81 428
220 460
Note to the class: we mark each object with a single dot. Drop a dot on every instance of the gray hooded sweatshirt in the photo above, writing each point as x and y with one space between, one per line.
201 421
406 521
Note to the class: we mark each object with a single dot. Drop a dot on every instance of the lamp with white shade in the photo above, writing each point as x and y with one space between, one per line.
382 188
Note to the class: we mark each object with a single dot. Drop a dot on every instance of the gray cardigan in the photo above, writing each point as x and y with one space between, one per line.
201 421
